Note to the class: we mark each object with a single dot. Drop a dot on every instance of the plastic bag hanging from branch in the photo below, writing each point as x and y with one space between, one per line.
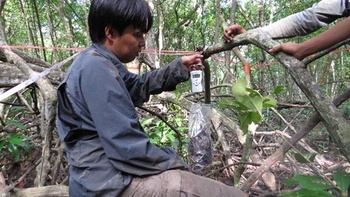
200 143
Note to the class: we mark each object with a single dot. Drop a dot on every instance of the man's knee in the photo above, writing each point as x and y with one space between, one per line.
163 184
195 185
179 183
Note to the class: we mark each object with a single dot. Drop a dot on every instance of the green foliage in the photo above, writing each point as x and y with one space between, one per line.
314 186
308 182
343 181
307 193
27 23
162 135
250 103
14 144
345 109
305 158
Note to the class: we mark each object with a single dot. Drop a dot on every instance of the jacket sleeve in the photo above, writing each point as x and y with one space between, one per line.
306 21
166 78
126 145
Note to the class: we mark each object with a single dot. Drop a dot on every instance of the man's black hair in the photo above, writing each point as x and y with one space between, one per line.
118 14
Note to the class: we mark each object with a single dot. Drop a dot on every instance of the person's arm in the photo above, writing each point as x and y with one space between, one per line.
165 78
325 40
306 21
298 24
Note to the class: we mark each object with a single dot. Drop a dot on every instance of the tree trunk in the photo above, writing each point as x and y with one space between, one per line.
52 31
36 14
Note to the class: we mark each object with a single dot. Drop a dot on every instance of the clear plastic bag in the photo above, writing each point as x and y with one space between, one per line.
200 143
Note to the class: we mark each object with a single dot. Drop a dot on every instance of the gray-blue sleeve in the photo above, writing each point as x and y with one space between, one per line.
165 78
306 21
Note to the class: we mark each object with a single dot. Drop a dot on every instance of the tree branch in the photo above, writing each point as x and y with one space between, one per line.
333 119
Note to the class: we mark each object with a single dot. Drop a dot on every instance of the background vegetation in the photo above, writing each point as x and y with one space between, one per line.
50 31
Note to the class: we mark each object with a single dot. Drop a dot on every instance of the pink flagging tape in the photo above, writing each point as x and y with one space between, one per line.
33 79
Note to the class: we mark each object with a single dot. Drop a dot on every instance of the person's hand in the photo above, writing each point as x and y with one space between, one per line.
290 48
232 31
190 60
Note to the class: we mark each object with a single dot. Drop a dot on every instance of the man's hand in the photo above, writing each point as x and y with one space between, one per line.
190 60
232 31
290 48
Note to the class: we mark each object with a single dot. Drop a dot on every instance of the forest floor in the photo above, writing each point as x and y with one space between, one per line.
328 160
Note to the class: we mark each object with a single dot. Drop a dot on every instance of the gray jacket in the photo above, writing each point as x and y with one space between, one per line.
307 21
97 121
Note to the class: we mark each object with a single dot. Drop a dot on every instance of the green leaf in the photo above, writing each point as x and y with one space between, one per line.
224 103
291 182
153 140
239 88
153 135
254 104
312 157
147 122
307 193
269 101
250 102
300 158
310 182
253 93
239 106
14 151
343 180
178 121
246 119
164 139
16 139
171 137
17 124
306 158
315 183
182 129
278 89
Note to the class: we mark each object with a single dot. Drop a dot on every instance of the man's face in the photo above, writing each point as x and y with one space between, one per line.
127 45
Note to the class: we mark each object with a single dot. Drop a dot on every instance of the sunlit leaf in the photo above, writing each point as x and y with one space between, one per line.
239 88
254 104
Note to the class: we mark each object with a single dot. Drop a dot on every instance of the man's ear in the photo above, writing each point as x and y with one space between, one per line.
109 32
